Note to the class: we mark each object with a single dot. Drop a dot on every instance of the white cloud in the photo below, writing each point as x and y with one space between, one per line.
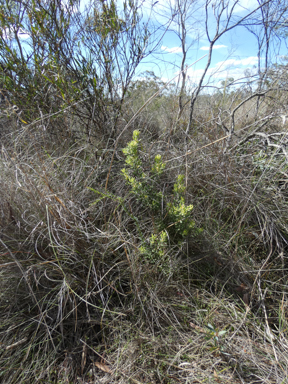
215 47
224 69
9 33
252 60
171 50
246 5
23 34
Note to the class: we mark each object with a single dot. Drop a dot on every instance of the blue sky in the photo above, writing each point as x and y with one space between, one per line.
235 52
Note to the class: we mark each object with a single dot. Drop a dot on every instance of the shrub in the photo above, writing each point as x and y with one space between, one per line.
171 216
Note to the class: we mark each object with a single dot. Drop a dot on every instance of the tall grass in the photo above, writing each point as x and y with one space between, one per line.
79 300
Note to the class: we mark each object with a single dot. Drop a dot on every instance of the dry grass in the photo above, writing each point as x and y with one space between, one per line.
79 305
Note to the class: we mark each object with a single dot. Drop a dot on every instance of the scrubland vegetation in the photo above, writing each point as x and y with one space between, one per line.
140 242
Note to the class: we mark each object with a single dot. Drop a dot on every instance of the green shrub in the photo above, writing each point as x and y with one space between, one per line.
171 216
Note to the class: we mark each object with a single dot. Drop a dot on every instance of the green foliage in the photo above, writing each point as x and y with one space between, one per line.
156 251
179 214
215 335
173 223
68 59
143 187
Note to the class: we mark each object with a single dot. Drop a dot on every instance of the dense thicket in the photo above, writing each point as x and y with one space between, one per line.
143 224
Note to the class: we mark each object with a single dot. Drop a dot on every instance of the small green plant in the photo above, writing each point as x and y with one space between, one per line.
143 188
215 335
179 214
173 223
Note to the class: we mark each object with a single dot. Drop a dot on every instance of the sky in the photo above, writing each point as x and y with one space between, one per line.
234 53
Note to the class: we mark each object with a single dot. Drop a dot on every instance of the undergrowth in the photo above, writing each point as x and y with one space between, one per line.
146 261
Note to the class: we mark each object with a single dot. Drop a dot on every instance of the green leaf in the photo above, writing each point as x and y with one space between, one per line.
209 326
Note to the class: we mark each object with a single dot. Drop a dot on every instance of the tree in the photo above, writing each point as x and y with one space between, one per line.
182 22
73 58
